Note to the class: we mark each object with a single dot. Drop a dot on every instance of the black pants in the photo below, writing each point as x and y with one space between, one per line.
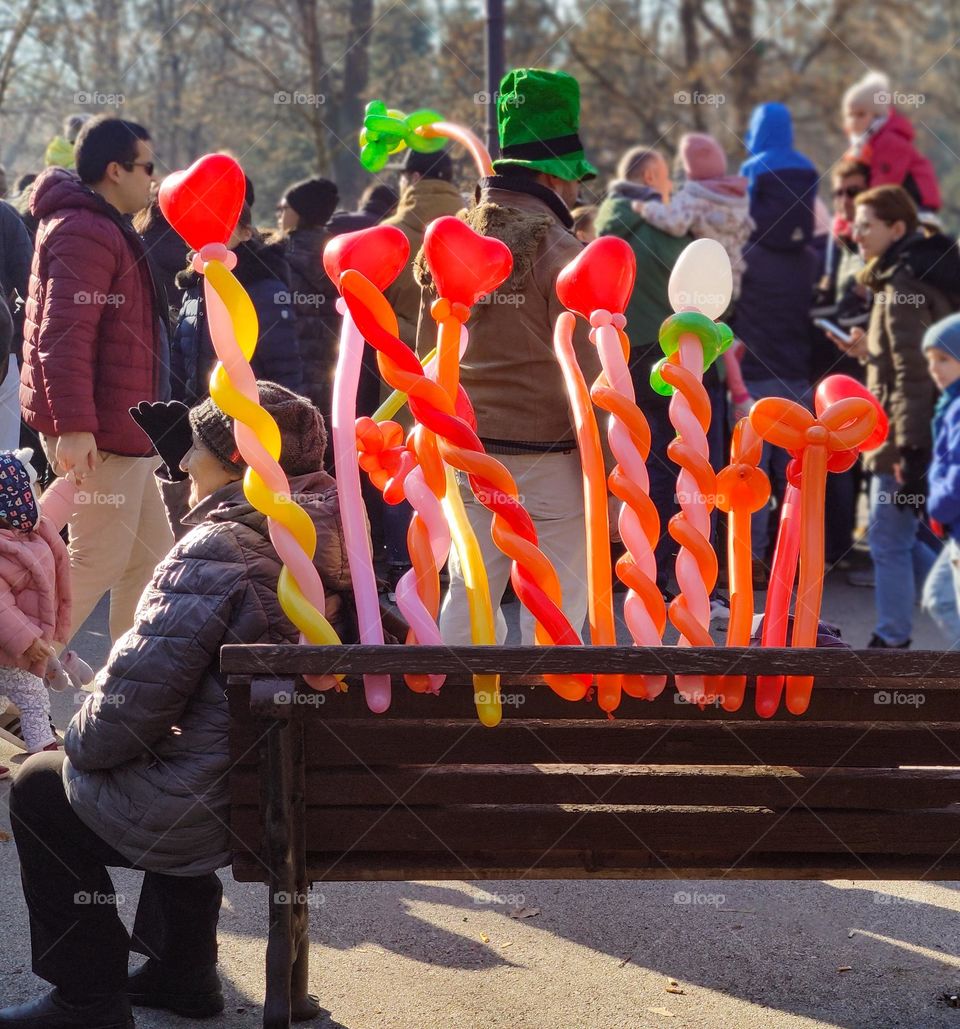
78 941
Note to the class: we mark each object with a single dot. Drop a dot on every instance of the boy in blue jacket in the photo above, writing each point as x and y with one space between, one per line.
941 593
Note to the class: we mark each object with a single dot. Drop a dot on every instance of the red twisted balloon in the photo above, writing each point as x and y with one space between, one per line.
533 576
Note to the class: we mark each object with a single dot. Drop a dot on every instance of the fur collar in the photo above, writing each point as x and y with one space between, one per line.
522 231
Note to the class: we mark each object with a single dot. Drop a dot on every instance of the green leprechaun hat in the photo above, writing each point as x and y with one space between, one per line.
538 119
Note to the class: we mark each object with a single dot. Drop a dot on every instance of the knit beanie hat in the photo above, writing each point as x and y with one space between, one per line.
72 125
314 200
944 335
18 501
379 201
702 157
303 435
872 92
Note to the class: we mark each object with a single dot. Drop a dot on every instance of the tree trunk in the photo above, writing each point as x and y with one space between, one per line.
349 173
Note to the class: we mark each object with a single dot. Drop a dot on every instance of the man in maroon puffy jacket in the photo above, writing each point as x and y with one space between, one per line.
95 345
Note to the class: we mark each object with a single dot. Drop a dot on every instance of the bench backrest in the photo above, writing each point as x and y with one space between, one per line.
559 790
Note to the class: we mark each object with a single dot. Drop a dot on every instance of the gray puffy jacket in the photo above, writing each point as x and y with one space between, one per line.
148 753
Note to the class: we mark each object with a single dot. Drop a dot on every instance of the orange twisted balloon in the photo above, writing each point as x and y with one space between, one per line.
843 426
534 577
696 489
644 609
742 489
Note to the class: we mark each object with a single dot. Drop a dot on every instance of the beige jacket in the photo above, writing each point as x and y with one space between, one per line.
510 371
419 205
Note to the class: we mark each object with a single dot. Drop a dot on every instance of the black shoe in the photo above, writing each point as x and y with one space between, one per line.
153 986
53 1012
878 643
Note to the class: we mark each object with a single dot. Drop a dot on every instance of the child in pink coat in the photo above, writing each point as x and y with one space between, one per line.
34 597
710 205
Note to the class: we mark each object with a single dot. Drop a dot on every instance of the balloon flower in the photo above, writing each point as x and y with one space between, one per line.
387 132
534 578
742 489
699 289
787 550
203 204
837 434
597 285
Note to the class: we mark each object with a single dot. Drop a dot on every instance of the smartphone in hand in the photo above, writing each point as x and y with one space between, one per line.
833 329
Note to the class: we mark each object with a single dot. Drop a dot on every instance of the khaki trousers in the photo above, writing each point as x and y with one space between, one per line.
551 490
118 535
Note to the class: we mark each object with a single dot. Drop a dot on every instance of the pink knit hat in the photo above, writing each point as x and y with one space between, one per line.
702 157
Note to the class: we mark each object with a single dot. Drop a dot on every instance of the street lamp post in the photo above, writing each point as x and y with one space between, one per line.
495 69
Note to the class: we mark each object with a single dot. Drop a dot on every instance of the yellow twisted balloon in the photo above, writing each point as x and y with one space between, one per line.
233 330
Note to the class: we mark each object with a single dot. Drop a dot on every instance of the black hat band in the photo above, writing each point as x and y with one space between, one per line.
542 149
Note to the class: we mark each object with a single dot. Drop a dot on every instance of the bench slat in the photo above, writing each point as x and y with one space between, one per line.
560 864
832 700
291 659
726 833
371 741
745 785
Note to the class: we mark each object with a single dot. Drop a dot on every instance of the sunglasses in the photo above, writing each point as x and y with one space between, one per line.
848 191
147 166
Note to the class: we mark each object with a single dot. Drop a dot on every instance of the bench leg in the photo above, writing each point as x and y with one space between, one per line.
303 1004
280 944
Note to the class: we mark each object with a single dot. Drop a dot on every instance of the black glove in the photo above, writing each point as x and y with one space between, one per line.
168 427
912 491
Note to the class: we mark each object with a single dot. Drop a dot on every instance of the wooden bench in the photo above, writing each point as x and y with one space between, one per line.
864 786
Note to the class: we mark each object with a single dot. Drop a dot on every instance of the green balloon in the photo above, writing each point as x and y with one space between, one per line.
657 383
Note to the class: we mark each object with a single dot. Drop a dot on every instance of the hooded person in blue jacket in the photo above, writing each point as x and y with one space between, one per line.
941 592
772 315
263 272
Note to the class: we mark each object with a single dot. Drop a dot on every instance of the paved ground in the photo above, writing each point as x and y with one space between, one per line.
595 955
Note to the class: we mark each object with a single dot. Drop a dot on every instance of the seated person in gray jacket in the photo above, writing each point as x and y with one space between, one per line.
143 783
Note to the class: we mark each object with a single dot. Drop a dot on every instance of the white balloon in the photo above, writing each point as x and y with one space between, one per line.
701 279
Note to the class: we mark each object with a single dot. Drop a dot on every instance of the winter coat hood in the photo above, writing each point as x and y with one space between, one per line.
57 189
424 201
771 128
770 143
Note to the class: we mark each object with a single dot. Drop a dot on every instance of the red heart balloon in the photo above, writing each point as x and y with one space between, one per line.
378 254
465 265
839 387
600 278
204 202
